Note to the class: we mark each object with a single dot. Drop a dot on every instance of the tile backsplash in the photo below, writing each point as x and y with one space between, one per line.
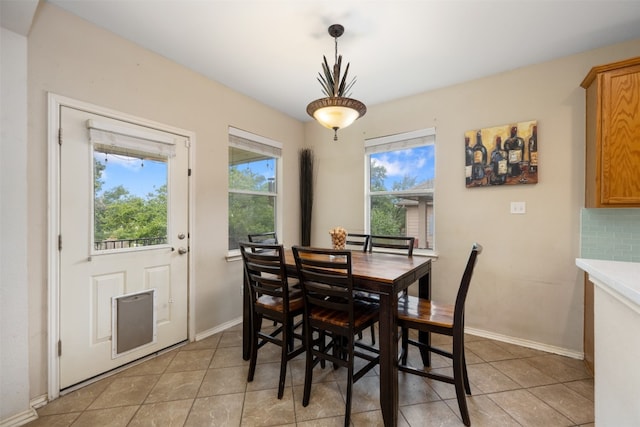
611 234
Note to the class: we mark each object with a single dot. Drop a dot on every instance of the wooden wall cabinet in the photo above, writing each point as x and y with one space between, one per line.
613 135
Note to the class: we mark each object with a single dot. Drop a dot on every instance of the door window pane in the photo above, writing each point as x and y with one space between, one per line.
130 200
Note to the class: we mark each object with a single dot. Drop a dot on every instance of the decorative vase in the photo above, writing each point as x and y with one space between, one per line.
338 237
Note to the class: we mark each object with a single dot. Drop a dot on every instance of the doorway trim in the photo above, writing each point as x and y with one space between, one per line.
55 102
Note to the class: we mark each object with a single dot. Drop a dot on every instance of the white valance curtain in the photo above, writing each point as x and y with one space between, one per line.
130 141
258 144
400 141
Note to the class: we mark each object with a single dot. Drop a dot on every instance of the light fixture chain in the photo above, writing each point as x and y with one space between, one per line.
336 69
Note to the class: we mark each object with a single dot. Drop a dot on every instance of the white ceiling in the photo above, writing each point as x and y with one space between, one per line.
271 50
17 15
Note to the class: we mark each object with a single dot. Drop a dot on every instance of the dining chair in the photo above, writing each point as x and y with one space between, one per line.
271 298
358 240
362 241
401 245
429 316
331 312
395 244
269 238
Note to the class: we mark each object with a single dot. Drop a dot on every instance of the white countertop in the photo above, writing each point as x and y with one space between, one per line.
622 279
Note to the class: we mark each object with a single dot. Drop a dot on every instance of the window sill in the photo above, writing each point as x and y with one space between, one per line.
416 252
233 255
426 252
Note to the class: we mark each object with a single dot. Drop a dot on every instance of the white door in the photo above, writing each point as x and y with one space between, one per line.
123 243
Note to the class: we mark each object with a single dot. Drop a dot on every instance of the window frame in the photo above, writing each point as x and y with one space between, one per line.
131 141
248 141
396 142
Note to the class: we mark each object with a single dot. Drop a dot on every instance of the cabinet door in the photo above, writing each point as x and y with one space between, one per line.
620 151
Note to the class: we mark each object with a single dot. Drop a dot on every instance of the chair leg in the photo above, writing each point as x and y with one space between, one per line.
321 346
373 335
350 369
308 371
459 377
467 387
255 329
338 348
283 360
289 341
404 346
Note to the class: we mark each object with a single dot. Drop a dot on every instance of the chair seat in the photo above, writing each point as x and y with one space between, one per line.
276 303
420 310
363 312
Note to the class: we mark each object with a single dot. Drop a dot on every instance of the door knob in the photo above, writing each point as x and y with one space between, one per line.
181 236
182 251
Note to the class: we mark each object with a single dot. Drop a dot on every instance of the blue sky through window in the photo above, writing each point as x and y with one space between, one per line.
139 177
418 162
142 177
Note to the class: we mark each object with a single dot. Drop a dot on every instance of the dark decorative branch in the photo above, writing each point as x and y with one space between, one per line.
306 195
331 84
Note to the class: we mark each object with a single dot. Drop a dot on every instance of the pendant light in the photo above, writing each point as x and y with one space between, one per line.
337 110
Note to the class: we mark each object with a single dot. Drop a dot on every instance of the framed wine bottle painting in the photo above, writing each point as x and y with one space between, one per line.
502 155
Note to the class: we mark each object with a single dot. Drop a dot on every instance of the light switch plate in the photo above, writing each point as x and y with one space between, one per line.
518 207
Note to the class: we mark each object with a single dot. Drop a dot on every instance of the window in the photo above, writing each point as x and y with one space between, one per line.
400 186
130 192
253 185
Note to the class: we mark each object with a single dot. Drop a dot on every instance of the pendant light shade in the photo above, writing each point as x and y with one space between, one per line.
337 110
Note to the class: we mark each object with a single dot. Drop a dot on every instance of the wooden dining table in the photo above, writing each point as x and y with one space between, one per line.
385 275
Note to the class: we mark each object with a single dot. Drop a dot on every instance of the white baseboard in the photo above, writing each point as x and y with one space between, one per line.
39 401
26 416
472 331
219 328
526 343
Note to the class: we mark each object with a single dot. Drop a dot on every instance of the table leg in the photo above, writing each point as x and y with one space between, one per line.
424 291
388 340
246 321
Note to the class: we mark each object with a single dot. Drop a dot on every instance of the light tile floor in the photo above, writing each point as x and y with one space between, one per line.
204 384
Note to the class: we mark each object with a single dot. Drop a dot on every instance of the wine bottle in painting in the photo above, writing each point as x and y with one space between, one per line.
468 160
514 145
479 158
533 151
498 164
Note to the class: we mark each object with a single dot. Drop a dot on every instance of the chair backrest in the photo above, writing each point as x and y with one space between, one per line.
269 238
458 313
265 271
402 244
326 280
359 240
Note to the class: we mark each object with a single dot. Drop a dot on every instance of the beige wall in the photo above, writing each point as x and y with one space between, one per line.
526 285
14 298
70 57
